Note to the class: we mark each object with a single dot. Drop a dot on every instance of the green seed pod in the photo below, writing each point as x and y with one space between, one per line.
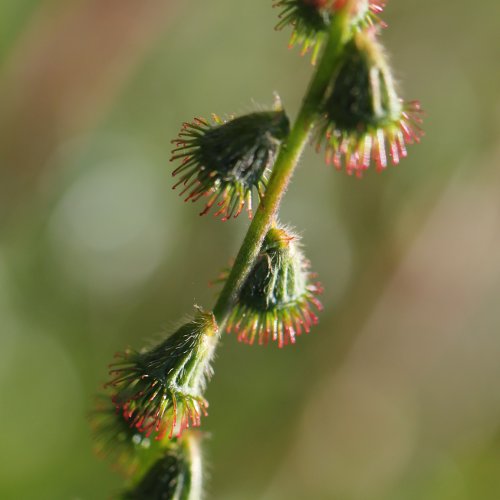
161 390
225 161
177 475
124 445
364 14
363 111
311 20
276 299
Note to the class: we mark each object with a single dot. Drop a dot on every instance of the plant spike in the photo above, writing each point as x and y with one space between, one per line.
269 294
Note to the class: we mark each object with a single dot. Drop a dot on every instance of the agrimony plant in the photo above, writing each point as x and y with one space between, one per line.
351 109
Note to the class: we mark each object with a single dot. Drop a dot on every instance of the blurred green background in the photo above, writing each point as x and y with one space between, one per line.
393 397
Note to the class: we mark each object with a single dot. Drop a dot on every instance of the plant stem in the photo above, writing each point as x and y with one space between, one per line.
284 167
